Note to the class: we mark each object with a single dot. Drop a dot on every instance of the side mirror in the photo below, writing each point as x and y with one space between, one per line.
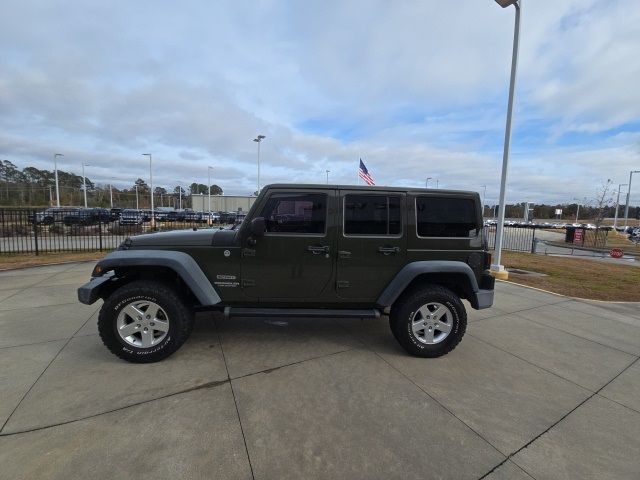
257 227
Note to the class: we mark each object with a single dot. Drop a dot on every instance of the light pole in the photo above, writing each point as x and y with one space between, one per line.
153 215
55 164
111 194
426 183
615 217
497 268
578 208
137 207
484 195
626 208
84 183
209 177
437 183
258 140
327 172
180 194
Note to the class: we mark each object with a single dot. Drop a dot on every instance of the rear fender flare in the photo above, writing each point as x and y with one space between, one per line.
409 272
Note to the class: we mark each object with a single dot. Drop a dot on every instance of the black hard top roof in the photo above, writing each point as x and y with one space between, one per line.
364 188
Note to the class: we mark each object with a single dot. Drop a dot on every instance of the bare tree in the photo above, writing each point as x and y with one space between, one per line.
601 202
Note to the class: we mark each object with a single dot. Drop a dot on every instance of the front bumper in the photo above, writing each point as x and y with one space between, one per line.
90 291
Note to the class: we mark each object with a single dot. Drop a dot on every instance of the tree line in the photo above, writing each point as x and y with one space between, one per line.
34 187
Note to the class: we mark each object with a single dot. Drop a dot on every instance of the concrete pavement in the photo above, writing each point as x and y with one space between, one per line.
542 386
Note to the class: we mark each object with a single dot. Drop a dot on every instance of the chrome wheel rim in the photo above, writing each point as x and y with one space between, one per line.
432 323
142 324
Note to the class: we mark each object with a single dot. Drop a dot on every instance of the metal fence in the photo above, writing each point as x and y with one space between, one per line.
26 231
516 239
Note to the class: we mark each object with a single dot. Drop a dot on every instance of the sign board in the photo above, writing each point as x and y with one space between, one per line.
616 253
578 236
558 211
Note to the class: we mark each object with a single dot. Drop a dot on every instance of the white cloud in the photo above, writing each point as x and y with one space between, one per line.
416 88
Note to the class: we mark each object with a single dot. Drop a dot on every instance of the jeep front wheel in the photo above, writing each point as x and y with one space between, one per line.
428 322
144 322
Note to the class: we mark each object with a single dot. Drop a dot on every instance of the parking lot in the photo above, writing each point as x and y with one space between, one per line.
542 386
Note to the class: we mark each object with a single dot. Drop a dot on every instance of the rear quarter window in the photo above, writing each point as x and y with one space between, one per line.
446 217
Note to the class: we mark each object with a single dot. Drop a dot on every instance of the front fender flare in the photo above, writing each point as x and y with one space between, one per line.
183 264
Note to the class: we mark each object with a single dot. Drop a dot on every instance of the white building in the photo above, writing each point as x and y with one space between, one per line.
222 203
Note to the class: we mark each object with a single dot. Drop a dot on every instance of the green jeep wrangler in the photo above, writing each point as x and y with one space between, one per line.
304 250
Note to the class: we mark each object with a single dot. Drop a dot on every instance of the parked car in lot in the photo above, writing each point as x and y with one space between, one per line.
193 217
54 215
130 216
87 216
227 217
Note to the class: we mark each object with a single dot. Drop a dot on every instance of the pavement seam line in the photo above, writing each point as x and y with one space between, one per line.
43 372
211 384
572 334
512 454
367 347
541 367
235 402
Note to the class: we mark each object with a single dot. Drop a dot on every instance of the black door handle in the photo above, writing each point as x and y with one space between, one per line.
386 250
318 249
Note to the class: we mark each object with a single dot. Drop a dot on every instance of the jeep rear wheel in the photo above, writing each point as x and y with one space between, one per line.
144 322
428 322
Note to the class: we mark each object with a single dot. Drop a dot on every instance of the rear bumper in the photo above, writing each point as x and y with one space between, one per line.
483 298
90 291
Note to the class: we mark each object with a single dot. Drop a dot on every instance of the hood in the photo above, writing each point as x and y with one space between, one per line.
174 238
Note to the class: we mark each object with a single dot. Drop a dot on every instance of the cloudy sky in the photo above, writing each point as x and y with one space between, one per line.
416 88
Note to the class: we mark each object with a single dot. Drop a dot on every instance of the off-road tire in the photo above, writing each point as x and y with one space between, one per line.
402 313
180 317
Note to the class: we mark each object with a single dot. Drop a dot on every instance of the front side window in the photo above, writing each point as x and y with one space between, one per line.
446 217
372 215
295 213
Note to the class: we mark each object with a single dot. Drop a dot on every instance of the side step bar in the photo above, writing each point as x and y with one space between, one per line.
300 312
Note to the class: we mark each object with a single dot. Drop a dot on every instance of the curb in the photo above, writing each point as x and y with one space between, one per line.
567 296
47 265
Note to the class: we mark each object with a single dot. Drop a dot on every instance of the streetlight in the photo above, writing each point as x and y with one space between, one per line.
497 268
578 206
626 208
258 140
84 183
615 218
327 172
137 207
484 195
111 193
180 194
55 163
426 183
209 176
153 216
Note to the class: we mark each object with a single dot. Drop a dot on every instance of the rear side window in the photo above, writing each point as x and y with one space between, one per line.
372 215
446 217
295 213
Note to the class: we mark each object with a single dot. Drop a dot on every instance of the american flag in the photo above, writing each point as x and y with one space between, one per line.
363 173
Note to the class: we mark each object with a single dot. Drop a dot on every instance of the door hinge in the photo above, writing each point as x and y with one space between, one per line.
343 284
247 282
248 252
